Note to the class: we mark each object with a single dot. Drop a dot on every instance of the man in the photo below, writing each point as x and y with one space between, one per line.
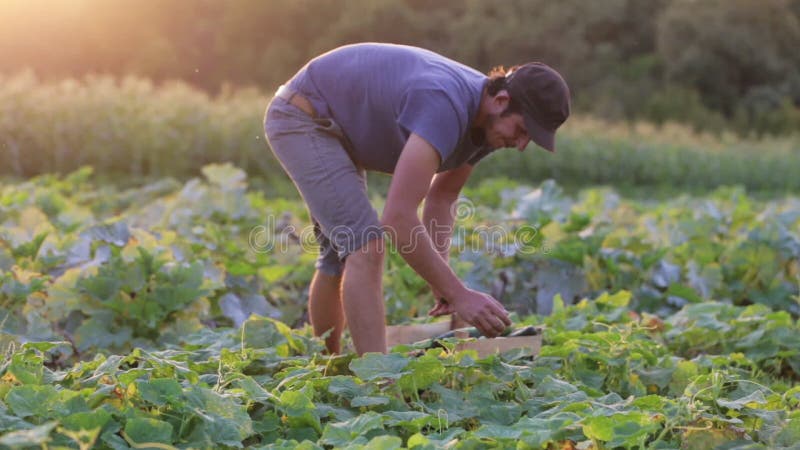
424 118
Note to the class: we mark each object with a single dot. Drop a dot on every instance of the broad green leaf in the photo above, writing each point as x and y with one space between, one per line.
357 402
599 428
684 292
347 387
537 432
31 400
754 399
424 371
411 421
351 431
554 388
300 410
116 233
141 431
160 391
27 367
226 420
9 421
384 443
36 436
790 433
499 432
254 391
376 365
99 332
87 420
620 299
622 429
282 444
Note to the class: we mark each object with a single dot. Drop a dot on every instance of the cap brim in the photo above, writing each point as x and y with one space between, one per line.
541 136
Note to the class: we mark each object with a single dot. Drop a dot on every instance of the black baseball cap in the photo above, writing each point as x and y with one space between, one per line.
544 97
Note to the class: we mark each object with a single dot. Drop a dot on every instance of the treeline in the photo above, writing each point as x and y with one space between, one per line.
129 130
713 63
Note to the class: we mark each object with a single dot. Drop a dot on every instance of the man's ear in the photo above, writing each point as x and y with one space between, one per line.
500 102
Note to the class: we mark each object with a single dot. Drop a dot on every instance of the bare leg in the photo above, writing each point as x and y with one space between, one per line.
363 297
325 309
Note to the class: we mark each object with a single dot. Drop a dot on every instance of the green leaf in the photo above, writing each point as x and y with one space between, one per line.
684 292
27 367
225 420
538 432
384 443
347 387
351 431
789 434
499 432
599 428
755 397
282 444
357 402
424 371
262 332
620 299
32 400
656 376
86 420
411 421
684 373
36 436
98 332
142 431
116 233
254 390
300 410
376 365
160 391
622 429
553 388
650 402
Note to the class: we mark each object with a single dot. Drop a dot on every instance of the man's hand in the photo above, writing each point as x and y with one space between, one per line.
442 307
478 309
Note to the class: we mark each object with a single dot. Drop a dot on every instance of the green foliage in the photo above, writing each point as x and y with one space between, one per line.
671 324
604 377
154 263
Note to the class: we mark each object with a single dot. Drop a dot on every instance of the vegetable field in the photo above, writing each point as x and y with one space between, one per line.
171 315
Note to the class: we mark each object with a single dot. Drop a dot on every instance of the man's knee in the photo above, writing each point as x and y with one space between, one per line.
370 253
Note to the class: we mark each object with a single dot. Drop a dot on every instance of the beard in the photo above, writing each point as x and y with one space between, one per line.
492 138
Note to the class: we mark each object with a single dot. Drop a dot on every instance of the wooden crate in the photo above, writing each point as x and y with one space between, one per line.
409 334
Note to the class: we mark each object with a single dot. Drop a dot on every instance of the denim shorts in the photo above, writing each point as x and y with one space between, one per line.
314 152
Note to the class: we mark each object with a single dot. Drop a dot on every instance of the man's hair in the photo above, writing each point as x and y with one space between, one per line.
498 82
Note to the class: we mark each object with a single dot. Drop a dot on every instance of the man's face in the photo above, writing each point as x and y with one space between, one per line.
506 131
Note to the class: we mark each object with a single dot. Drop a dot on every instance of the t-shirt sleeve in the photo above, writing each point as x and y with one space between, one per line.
430 114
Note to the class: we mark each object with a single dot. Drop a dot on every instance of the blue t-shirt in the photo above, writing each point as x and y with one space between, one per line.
381 93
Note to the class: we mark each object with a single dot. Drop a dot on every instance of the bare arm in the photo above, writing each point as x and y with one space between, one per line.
417 165
415 169
438 214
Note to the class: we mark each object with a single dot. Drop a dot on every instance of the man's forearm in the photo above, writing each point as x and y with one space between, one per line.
437 216
414 243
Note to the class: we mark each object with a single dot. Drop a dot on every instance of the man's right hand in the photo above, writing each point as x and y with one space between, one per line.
481 311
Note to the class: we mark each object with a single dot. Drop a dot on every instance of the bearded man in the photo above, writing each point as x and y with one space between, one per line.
427 120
